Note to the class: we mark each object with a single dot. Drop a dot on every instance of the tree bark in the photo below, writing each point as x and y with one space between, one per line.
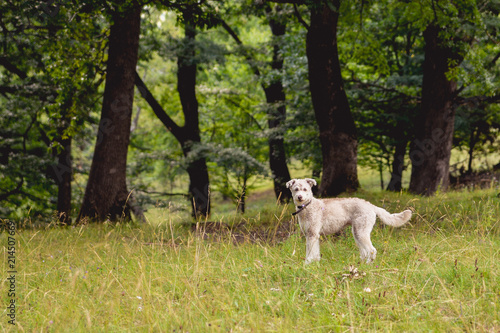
106 195
275 97
431 149
186 86
64 178
472 144
63 170
398 164
336 125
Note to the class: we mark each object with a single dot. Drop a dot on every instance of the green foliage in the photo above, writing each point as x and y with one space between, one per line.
383 56
52 61
51 58
24 163
382 49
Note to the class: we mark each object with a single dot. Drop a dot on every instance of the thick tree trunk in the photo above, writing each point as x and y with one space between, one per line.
199 192
106 195
398 164
430 151
333 115
275 97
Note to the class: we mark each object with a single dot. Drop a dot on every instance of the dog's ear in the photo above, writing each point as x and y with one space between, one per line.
311 182
290 183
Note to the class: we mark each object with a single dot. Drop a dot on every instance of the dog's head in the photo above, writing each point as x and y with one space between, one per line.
301 190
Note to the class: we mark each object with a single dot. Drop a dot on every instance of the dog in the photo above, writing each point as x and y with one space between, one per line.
328 216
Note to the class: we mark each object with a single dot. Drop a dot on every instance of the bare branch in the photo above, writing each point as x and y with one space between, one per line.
299 17
157 108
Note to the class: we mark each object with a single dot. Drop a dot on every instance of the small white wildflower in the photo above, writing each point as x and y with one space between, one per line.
140 308
275 289
139 297
368 290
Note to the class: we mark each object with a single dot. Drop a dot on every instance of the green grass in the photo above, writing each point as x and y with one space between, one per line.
441 274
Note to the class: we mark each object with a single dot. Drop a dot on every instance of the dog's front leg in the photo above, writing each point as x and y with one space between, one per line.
312 248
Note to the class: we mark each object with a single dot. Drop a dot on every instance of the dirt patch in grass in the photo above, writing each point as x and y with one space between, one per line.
245 233
476 180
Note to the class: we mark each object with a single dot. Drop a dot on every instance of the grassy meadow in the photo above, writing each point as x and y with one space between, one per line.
439 273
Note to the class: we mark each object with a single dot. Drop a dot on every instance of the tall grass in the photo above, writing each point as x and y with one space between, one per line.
440 273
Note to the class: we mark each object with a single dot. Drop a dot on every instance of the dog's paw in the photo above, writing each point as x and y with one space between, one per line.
368 257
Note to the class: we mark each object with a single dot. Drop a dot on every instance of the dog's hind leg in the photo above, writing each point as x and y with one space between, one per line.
361 233
366 249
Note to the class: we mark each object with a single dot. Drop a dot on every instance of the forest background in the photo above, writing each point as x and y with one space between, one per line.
108 108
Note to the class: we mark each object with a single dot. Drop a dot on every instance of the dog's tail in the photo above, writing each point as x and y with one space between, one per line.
394 220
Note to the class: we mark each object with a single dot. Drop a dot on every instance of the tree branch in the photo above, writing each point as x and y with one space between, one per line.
478 100
166 194
297 2
299 17
238 41
5 195
12 68
494 60
382 88
157 108
231 32
4 90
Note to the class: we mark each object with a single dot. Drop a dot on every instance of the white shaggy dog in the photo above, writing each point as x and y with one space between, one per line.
328 216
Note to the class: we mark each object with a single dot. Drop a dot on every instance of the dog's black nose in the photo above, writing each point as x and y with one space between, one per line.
299 197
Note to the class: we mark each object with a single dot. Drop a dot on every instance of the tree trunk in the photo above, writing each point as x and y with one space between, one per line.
64 177
199 190
275 97
243 198
398 164
381 174
106 195
336 125
430 151
186 136
186 86
472 144
189 134
63 170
